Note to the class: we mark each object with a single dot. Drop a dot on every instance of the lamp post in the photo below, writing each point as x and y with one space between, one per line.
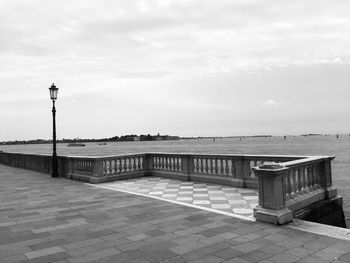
53 96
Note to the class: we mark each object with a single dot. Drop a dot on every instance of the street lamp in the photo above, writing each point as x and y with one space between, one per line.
53 96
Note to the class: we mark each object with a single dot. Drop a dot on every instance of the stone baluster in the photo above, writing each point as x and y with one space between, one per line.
227 167
309 176
138 162
133 159
233 167
221 166
288 187
129 164
211 165
300 181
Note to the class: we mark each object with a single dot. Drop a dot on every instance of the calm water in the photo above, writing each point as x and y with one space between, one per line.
312 145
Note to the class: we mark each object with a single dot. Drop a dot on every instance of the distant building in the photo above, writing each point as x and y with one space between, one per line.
158 137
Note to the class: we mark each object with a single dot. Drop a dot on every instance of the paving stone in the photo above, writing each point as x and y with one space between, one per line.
328 254
212 240
246 247
345 257
81 251
195 254
13 259
285 258
153 247
48 244
299 252
312 259
131 245
269 246
341 245
128 256
277 237
237 260
187 247
257 255
137 237
290 243
228 253
50 258
93 256
229 235
160 255
44 252
246 238
207 259
92 224
83 243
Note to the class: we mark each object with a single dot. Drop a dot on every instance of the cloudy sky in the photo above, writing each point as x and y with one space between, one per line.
182 67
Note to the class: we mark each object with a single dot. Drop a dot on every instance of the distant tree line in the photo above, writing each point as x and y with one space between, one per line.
123 138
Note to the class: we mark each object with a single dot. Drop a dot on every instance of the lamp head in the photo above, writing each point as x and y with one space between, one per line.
53 92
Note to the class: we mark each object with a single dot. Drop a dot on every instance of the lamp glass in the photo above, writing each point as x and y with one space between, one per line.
53 92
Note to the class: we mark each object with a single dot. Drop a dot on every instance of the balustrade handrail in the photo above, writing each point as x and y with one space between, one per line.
105 156
307 160
292 157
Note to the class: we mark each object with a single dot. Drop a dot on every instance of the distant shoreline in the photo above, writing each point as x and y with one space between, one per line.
158 137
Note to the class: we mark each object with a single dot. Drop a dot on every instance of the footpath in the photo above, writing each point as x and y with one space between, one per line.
44 219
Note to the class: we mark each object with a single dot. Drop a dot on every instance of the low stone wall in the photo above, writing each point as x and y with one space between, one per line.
41 163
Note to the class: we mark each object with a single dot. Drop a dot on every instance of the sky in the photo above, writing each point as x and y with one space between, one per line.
182 67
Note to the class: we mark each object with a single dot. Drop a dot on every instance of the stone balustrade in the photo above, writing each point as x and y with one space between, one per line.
102 169
233 170
287 187
286 183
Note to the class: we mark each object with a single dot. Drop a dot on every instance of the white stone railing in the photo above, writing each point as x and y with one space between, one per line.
290 186
102 169
234 170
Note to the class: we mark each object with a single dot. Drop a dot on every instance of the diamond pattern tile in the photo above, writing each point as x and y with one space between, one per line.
239 201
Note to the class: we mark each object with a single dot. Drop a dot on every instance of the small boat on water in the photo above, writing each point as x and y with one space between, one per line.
75 144
102 143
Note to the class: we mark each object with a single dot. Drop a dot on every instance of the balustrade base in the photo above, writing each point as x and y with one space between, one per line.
305 200
277 217
331 192
109 178
218 180
235 182
171 175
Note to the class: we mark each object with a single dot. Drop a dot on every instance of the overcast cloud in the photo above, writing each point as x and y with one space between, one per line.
182 67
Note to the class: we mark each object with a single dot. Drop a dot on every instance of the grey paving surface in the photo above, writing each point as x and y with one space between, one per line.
58 220
233 200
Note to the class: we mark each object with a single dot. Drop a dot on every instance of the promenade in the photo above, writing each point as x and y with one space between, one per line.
45 219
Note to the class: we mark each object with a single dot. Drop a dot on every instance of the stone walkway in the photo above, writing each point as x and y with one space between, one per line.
231 200
43 219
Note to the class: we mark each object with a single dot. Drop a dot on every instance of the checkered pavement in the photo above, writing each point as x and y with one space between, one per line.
238 201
